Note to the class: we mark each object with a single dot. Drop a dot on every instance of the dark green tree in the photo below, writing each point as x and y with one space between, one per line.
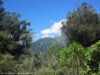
1 15
83 26
3 33
19 38
15 42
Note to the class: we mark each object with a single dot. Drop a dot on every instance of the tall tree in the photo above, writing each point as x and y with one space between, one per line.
3 33
19 38
82 26
1 14
15 38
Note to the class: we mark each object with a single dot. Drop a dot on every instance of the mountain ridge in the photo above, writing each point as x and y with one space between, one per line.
41 45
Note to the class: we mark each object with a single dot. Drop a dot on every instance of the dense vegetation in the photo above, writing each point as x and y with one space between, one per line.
82 26
81 55
15 41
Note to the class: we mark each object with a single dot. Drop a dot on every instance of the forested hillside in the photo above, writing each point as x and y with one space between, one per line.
77 53
41 45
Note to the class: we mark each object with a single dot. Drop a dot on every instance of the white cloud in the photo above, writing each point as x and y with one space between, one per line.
46 35
55 28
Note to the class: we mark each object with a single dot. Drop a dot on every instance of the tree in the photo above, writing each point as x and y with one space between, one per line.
1 15
93 58
83 26
3 33
18 40
72 59
15 42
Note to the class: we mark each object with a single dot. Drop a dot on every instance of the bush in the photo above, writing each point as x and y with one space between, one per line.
7 64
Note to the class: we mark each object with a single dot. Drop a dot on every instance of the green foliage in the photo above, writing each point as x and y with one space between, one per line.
72 59
25 65
93 58
45 71
78 58
15 42
82 26
7 64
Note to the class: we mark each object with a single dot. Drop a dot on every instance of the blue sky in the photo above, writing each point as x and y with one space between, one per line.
45 14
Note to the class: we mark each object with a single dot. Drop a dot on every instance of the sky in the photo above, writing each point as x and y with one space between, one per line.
46 16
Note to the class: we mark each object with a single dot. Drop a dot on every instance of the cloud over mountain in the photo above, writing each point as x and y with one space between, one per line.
54 29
